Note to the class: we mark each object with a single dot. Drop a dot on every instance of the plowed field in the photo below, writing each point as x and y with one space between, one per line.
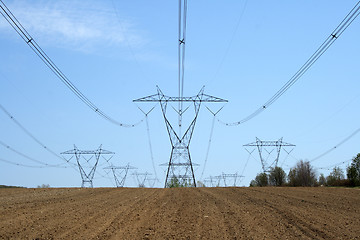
182 213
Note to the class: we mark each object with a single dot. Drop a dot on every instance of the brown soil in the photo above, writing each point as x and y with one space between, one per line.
182 213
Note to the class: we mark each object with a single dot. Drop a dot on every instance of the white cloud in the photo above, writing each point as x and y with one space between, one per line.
80 25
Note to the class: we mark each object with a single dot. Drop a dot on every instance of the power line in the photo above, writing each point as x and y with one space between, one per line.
345 23
337 145
231 41
334 165
124 35
27 132
30 158
181 55
149 138
210 138
21 165
16 25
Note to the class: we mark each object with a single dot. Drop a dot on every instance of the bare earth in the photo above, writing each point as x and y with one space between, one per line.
182 213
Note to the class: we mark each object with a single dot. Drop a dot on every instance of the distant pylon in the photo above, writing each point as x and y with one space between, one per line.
87 176
269 146
141 178
120 177
234 176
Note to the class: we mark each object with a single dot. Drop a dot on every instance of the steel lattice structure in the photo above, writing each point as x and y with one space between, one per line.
87 177
233 176
141 178
262 146
180 166
120 177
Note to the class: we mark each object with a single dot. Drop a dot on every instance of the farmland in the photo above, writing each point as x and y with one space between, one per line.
181 213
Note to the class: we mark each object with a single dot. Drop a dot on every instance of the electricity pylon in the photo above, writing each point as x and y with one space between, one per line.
141 178
265 146
233 176
87 177
120 177
180 166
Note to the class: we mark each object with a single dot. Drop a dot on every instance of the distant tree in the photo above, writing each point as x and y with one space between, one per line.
303 174
43 186
253 183
200 184
292 178
262 180
322 180
277 176
176 182
335 177
353 171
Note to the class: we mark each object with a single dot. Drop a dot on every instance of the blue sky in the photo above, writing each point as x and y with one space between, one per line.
117 51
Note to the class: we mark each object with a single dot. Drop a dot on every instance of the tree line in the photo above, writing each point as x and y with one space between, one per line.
304 175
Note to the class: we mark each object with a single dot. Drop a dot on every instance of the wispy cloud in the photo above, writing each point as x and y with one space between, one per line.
79 25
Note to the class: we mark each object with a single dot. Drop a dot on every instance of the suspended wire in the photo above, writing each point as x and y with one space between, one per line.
208 147
288 154
124 35
22 165
149 138
250 153
321 123
30 158
337 145
210 138
181 55
16 25
345 23
242 172
150 146
231 40
334 165
30 134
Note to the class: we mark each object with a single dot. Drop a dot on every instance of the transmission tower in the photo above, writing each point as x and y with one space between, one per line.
180 166
217 180
87 176
120 177
141 178
233 176
269 147
152 181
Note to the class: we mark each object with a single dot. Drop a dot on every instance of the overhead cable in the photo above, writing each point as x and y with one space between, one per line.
16 25
27 132
30 158
210 138
334 165
345 23
337 145
149 138
231 41
181 55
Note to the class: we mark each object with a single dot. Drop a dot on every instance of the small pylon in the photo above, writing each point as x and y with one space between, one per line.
87 176
120 177
269 146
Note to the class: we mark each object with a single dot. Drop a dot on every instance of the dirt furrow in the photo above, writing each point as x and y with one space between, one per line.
180 213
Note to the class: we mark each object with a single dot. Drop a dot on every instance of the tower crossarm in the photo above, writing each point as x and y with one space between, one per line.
197 98
269 144
77 151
